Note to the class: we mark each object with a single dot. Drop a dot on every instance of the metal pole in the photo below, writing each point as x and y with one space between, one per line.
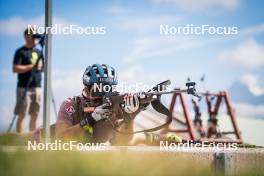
47 72
232 115
224 163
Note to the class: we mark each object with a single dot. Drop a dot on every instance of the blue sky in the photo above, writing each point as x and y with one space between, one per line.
133 45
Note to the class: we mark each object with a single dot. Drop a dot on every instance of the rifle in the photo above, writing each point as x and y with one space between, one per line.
153 97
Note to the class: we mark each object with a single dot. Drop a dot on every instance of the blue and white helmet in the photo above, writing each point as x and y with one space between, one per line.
98 73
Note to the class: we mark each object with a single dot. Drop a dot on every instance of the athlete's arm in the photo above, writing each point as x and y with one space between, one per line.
22 68
64 125
66 131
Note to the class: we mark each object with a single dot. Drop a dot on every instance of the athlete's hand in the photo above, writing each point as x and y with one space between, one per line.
130 103
40 65
30 67
101 112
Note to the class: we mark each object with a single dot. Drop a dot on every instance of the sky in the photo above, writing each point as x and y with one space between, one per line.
133 44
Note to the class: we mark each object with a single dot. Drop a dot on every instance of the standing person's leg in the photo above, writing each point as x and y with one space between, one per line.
19 127
33 121
21 107
35 96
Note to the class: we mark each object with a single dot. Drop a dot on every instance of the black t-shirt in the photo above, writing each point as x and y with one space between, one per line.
23 56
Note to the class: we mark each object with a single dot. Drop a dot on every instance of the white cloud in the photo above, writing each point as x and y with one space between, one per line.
201 5
67 83
252 30
15 26
133 75
149 47
248 54
248 110
252 82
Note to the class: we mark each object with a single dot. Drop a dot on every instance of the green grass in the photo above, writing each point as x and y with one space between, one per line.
48 163
97 163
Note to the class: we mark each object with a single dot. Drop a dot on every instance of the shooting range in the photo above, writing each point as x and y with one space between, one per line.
201 111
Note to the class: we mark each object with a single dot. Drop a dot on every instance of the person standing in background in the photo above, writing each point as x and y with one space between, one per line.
28 58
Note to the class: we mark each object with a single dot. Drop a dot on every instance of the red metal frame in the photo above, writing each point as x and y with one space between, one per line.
212 110
188 123
231 113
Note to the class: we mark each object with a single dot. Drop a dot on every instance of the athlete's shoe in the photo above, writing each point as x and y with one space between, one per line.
154 139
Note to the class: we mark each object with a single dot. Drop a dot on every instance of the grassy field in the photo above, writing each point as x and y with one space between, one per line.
121 161
96 163
27 163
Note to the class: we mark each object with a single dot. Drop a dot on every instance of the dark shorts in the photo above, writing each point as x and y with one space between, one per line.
30 102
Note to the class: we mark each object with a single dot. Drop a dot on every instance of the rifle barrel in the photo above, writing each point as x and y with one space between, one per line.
169 92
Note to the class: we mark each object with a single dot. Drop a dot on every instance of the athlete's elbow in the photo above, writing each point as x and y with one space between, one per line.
14 69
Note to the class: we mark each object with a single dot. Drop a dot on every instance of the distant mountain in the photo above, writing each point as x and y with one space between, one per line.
240 93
